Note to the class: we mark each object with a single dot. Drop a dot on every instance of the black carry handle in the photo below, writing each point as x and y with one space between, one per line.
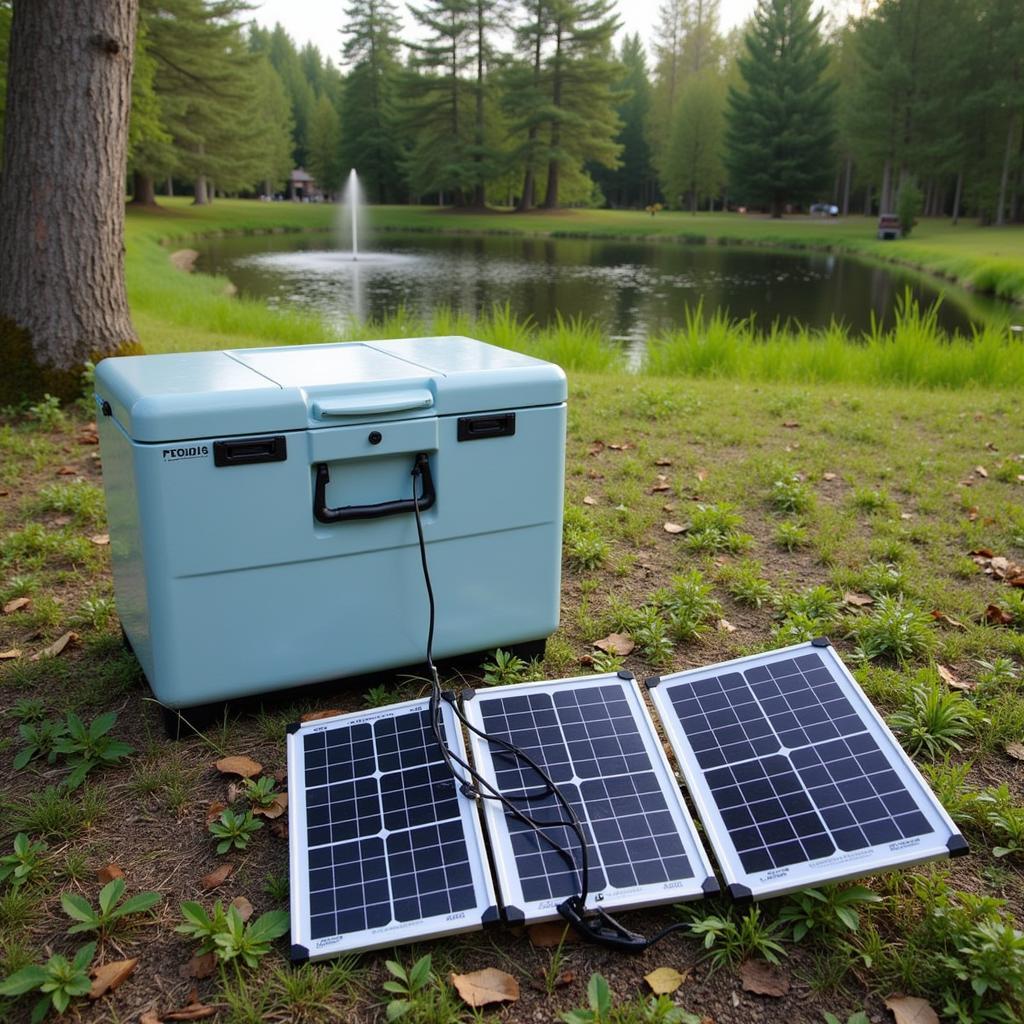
323 514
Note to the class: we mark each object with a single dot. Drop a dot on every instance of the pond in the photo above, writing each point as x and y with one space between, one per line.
633 289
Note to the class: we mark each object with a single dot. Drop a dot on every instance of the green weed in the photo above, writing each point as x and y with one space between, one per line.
234 830
109 913
59 979
715 528
934 720
745 584
729 941
895 629
791 536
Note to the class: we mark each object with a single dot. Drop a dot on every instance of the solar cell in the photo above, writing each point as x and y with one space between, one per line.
384 848
596 741
796 778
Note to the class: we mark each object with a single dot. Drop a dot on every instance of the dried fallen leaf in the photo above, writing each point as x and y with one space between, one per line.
199 967
791 424
279 828
996 616
10 655
702 475
1015 750
625 446
981 471
550 934
239 765
828 476
149 1017
989 446
216 877
275 808
664 980
972 515
193 1011
589 499
243 906
761 978
858 600
953 681
662 484
56 647
67 471
674 527
16 605
982 552
725 626
596 448
108 873
480 988
315 716
107 977
947 620
214 810
911 1010
663 462
100 539
615 643
89 435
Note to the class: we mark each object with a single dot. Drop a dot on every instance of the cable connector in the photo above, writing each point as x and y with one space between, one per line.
601 927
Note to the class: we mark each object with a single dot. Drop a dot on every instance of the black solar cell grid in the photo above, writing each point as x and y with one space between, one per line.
791 765
384 831
588 740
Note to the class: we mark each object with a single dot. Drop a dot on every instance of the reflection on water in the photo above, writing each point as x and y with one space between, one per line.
633 289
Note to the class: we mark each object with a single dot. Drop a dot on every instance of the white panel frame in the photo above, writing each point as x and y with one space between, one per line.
472 919
840 866
502 856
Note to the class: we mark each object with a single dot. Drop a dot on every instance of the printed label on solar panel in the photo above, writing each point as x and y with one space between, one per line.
384 848
595 739
796 778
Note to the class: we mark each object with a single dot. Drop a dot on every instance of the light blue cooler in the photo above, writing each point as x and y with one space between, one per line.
260 508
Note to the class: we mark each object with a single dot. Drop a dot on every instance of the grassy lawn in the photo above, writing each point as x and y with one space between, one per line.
793 495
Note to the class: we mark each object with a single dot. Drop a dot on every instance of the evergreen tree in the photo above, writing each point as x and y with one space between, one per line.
695 168
5 38
274 158
780 126
325 146
369 142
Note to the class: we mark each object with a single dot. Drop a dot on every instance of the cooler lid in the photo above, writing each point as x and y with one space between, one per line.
216 394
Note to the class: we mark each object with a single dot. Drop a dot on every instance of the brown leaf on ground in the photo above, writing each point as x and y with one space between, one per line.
761 978
624 446
791 424
662 484
100 539
589 499
858 600
275 808
107 977
663 462
828 476
663 981
1015 750
982 552
702 474
615 643
596 448
88 435
981 471
149 1017
480 988
56 647
996 616
550 934
954 682
972 514
17 604
675 527
989 446
10 655
281 776
243 906
67 471
725 626
911 1010
195 1010
947 620
217 877
587 660
279 828
315 716
108 873
214 811
199 967
239 765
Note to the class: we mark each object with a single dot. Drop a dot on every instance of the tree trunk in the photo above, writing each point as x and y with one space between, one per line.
885 199
554 165
846 185
1004 178
479 186
170 185
867 201
201 198
526 200
143 189
693 201
62 294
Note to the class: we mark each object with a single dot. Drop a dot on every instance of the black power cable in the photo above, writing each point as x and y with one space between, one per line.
597 925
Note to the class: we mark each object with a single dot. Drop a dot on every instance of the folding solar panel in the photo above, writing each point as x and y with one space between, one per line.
383 846
794 775
595 739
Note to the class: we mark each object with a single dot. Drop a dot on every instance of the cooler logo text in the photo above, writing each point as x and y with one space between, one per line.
195 451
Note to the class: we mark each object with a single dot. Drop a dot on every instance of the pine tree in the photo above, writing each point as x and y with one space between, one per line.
325 146
274 158
780 128
695 168
5 37
292 68
369 142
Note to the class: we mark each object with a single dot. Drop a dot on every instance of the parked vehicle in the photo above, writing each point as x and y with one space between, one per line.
889 227
824 210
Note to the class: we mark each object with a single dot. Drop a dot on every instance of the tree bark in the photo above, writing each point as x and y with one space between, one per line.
201 197
1004 178
143 190
170 185
848 175
555 164
479 186
885 199
62 293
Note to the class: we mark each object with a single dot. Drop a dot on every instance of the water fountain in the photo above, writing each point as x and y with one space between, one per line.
350 212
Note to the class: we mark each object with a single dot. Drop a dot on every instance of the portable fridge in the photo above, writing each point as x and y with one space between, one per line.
260 508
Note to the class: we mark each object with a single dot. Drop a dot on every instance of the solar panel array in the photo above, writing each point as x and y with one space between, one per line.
383 846
594 738
796 778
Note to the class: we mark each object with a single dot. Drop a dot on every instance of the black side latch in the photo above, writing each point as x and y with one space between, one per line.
491 424
244 451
